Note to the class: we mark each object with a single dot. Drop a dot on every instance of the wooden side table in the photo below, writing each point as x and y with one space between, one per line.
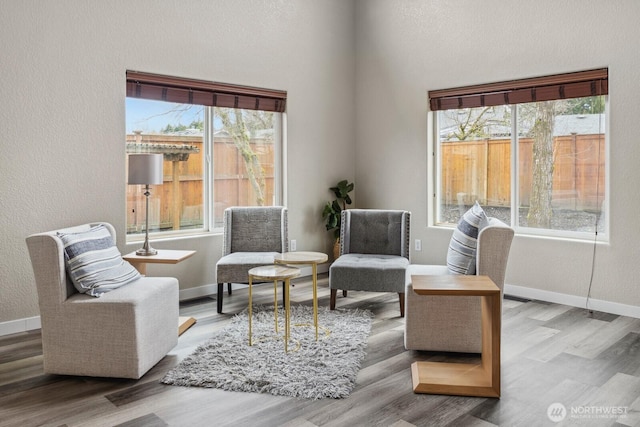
464 379
312 258
164 256
274 273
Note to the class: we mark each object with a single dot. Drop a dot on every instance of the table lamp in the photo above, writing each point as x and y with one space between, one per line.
146 169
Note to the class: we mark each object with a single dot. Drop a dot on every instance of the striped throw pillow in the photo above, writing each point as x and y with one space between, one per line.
94 263
461 256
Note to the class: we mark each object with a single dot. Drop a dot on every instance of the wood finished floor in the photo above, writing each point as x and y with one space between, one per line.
550 353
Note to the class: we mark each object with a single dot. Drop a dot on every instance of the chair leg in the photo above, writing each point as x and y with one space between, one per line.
344 293
401 296
229 288
220 295
332 299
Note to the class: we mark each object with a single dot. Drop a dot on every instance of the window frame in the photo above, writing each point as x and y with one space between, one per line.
461 97
210 95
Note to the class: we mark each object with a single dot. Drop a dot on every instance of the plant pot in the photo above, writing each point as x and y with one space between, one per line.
336 249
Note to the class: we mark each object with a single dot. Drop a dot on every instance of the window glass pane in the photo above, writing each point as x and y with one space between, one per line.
244 158
560 168
176 131
245 145
561 146
474 159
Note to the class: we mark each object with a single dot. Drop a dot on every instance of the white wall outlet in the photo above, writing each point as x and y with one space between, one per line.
418 245
292 246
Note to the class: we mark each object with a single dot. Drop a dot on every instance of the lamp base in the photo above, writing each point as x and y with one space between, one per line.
146 249
146 252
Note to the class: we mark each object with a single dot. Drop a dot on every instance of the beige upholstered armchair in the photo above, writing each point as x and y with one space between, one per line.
122 333
374 253
452 323
252 237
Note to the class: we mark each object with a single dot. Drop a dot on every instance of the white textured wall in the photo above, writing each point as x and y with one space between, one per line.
62 86
357 78
405 48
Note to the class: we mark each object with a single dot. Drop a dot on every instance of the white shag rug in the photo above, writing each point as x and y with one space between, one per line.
311 369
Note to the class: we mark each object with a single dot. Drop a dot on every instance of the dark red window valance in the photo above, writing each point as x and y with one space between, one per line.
201 92
548 88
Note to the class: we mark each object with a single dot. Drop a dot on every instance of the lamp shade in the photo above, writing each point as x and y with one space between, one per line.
145 169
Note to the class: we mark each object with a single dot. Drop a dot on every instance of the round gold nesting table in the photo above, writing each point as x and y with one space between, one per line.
274 273
306 258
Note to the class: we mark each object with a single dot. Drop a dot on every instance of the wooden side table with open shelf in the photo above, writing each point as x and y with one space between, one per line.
164 256
464 379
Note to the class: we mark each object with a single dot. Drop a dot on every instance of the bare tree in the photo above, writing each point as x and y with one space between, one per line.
469 123
240 127
540 211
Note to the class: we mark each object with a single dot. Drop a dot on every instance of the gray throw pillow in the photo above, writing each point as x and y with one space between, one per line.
461 256
94 263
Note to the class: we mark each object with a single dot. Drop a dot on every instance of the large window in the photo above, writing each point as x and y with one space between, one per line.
531 152
222 147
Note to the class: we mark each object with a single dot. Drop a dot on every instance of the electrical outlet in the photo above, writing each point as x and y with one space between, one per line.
418 245
292 246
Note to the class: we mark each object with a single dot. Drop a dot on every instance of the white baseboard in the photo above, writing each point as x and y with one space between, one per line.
573 300
19 325
198 292
31 323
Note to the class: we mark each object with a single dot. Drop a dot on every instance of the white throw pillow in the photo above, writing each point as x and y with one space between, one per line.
461 256
94 263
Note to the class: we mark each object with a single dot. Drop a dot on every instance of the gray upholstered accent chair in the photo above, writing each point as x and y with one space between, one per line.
121 334
374 253
453 323
253 235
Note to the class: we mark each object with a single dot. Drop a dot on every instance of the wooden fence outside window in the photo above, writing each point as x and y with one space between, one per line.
471 170
171 209
481 170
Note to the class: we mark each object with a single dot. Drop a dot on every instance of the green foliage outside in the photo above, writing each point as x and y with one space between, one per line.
180 127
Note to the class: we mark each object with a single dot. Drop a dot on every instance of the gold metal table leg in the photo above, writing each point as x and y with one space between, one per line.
287 314
250 304
314 273
275 302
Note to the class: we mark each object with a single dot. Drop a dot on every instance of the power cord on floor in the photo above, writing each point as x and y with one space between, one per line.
597 223
593 263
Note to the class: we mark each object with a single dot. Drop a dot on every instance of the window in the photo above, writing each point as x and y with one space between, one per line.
531 152
222 146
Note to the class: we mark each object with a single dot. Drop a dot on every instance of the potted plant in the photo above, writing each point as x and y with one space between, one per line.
332 211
